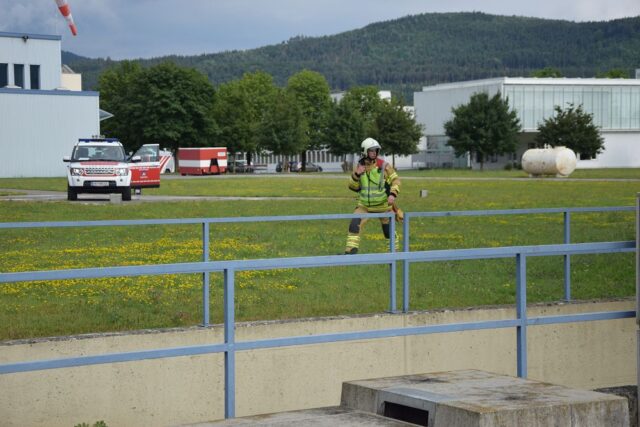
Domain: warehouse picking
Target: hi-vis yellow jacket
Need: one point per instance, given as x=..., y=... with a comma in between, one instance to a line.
x=375, y=184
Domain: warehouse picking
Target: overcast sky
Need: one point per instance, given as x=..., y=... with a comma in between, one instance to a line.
x=146, y=28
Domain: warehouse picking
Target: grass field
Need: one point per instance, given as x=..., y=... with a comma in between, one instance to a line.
x=79, y=306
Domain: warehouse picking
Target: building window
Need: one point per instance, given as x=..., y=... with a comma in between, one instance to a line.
x=34, y=74
x=18, y=75
x=4, y=75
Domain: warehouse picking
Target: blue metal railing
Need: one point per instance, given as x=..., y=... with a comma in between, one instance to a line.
x=567, y=234
x=229, y=268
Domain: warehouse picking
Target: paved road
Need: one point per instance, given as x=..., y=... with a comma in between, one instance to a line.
x=48, y=196
x=338, y=175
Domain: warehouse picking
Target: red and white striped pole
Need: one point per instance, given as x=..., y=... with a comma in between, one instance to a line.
x=65, y=10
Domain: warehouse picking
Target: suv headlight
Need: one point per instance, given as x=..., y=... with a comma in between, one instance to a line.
x=77, y=171
x=122, y=171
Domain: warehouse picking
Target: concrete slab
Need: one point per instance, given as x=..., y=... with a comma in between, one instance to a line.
x=321, y=417
x=630, y=392
x=483, y=399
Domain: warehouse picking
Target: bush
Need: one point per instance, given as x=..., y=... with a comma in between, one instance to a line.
x=96, y=424
x=513, y=165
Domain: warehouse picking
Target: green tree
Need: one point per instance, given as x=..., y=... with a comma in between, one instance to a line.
x=353, y=119
x=345, y=129
x=366, y=100
x=259, y=91
x=231, y=112
x=483, y=127
x=396, y=129
x=239, y=110
x=311, y=92
x=165, y=104
x=547, y=72
x=115, y=85
x=283, y=129
x=572, y=128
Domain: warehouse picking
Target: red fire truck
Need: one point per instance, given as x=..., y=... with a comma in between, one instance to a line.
x=202, y=160
x=153, y=162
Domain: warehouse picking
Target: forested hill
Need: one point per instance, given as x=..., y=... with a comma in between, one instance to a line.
x=408, y=53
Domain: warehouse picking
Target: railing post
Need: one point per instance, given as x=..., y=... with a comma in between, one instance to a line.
x=567, y=258
x=638, y=291
x=205, y=275
x=392, y=267
x=229, y=340
x=405, y=265
x=521, y=314
x=638, y=269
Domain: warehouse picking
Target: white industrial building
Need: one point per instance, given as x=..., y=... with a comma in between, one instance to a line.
x=614, y=104
x=40, y=118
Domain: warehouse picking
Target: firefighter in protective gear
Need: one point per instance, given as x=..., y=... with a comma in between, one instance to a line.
x=377, y=185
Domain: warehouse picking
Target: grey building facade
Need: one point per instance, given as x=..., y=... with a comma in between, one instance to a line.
x=40, y=121
x=614, y=104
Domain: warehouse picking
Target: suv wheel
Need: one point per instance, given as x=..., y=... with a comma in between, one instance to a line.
x=126, y=194
x=72, y=194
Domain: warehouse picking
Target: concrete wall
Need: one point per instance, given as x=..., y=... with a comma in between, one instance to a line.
x=38, y=128
x=190, y=389
x=71, y=81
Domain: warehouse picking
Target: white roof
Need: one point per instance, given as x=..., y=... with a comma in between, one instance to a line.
x=554, y=81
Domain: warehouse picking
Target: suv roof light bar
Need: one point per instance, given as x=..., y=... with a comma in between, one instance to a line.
x=99, y=140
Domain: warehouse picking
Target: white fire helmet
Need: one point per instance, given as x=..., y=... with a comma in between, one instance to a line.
x=369, y=144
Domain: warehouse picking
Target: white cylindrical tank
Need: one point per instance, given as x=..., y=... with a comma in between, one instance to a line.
x=549, y=161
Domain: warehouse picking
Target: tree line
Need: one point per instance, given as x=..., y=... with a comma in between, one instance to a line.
x=179, y=107
x=405, y=54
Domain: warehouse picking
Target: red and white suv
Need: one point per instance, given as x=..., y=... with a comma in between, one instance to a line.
x=98, y=165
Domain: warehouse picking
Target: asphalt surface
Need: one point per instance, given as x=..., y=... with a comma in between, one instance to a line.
x=56, y=196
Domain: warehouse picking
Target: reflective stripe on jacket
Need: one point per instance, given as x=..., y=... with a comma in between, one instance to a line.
x=372, y=191
x=378, y=174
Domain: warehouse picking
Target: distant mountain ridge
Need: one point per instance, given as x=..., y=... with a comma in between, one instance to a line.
x=407, y=53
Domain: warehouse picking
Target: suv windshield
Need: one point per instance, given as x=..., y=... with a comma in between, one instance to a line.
x=148, y=153
x=98, y=152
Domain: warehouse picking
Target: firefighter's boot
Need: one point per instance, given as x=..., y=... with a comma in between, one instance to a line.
x=387, y=232
x=396, y=243
x=353, y=243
